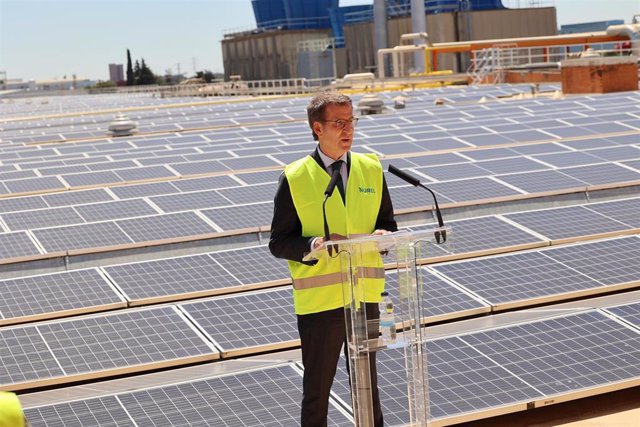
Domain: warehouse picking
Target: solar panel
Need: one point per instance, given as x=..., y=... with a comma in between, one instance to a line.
x=572, y=158
x=190, y=201
x=460, y=381
x=510, y=279
x=24, y=356
x=145, y=172
x=144, y=190
x=168, y=226
x=241, y=217
x=124, y=340
x=562, y=223
x=629, y=313
x=104, y=166
x=480, y=234
x=267, y=268
x=533, y=149
x=625, y=211
x=51, y=294
x=486, y=139
x=69, y=198
x=439, y=144
x=267, y=397
x=410, y=197
x=28, y=185
x=41, y=218
x=99, y=412
x=22, y=204
x=196, y=168
x=564, y=354
x=441, y=300
x=83, y=236
x=611, y=262
x=115, y=210
x=250, y=322
x=260, y=177
x=540, y=182
x=92, y=178
x=208, y=183
x=250, y=194
x=512, y=165
x=456, y=171
x=472, y=189
x=602, y=174
x=617, y=153
x=173, y=277
x=13, y=245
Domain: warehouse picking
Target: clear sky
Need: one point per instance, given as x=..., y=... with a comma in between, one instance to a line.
x=45, y=39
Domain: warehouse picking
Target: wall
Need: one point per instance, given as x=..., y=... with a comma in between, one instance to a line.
x=451, y=27
x=265, y=56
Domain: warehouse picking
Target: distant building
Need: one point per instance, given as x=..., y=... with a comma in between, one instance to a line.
x=116, y=73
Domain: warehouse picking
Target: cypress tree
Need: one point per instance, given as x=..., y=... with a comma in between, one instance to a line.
x=130, y=76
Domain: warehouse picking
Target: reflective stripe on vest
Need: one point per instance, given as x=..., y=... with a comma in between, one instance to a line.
x=318, y=288
x=336, y=278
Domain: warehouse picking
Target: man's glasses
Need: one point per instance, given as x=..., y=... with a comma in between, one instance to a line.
x=341, y=124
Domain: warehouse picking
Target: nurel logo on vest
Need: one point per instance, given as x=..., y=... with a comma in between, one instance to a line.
x=366, y=190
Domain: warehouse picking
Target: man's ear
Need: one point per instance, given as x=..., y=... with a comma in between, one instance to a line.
x=317, y=128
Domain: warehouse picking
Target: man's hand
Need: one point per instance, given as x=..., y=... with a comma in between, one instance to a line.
x=318, y=241
x=381, y=232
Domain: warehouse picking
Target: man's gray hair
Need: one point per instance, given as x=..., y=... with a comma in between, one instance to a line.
x=319, y=103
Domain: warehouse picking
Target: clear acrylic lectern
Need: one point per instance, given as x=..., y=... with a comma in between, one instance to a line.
x=401, y=249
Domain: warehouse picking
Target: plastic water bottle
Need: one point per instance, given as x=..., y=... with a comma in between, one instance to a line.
x=387, y=320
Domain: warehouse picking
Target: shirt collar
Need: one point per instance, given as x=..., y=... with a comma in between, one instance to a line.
x=328, y=161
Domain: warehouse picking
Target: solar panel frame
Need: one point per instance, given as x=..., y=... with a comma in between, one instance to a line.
x=514, y=280
x=565, y=224
x=48, y=296
x=171, y=279
x=242, y=217
x=165, y=227
x=106, y=411
x=100, y=345
x=248, y=323
x=16, y=245
x=81, y=237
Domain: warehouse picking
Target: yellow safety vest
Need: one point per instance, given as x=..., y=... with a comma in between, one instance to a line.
x=319, y=287
x=10, y=410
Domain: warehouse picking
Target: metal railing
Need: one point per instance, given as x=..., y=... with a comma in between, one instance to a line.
x=247, y=88
x=489, y=65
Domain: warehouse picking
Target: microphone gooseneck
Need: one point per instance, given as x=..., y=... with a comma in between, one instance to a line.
x=335, y=176
x=441, y=235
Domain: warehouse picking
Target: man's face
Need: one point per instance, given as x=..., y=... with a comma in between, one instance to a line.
x=334, y=142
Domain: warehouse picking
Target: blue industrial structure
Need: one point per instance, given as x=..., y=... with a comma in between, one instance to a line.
x=318, y=14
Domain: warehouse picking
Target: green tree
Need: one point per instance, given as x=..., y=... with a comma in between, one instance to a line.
x=146, y=76
x=130, y=76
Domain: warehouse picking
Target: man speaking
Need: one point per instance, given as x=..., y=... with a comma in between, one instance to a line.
x=361, y=205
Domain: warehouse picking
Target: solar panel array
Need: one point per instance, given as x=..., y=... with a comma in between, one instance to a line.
x=219, y=173
x=511, y=367
x=127, y=341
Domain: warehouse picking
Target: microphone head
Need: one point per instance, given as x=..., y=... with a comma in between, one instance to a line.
x=404, y=176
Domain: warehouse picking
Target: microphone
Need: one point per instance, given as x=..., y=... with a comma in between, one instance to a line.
x=441, y=235
x=335, y=176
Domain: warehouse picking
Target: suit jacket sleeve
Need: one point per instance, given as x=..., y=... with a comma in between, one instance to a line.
x=385, y=220
x=286, y=239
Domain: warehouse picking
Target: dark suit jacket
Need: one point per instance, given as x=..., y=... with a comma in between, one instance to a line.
x=287, y=240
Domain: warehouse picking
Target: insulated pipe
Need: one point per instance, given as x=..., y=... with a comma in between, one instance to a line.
x=630, y=30
x=380, y=31
x=418, y=25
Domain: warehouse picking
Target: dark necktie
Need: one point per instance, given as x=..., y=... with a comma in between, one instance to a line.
x=336, y=166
